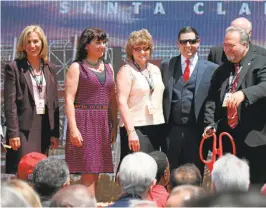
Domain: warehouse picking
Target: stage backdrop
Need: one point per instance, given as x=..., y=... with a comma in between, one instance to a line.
x=63, y=21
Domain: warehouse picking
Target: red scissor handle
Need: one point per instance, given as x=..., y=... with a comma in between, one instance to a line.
x=220, y=149
x=215, y=151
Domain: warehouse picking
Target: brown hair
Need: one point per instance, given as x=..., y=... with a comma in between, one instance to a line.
x=136, y=38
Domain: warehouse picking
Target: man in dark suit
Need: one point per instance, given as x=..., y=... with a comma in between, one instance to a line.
x=217, y=54
x=186, y=80
x=237, y=99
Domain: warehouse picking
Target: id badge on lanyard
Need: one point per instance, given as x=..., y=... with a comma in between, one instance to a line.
x=39, y=103
x=226, y=98
x=40, y=106
x=151, y=107
x=228, y=95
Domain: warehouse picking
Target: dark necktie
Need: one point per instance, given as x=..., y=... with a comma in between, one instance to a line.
x=232, y=112
x=187, y=71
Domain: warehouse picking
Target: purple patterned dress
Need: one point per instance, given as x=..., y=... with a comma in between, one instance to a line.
x=91, y=111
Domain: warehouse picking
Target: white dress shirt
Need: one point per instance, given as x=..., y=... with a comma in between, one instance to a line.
x=193, y=62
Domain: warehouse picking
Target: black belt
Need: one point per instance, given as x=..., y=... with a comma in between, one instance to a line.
x=91, y=106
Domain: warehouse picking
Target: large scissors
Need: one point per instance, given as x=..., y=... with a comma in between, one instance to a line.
x=215, y=151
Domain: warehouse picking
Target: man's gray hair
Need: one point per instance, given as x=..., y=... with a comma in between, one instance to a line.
x=137, y=172
x=49, y=175
x=141, y=203
x=73, y=196
x=244, y=37
x=11, y=198
x=230, y=173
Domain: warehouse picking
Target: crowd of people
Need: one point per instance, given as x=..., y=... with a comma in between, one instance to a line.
x=145, y=180
x=164, y=113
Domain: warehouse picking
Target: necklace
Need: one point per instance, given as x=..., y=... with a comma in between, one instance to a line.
x=37, y=72
x=93, y=64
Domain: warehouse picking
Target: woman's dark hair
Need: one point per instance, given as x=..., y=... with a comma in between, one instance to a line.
x=86, y=37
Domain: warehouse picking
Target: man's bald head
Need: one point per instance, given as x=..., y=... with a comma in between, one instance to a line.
x=243, y=23
x=182, y=194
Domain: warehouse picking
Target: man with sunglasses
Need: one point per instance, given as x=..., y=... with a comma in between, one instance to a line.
x=186, y=80
x=217, y=54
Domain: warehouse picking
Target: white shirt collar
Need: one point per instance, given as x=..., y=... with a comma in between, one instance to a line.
x=193, y=60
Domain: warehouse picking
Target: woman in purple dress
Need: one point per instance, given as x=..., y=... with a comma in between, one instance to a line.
x=91, y=110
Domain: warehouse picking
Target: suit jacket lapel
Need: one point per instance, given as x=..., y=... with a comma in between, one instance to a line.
x=47, y=76
x=244, y=70
x=178, y=70
x=224, y=88
x=28, y=81
x=26, y=73
x=172, y=65
x=200, y=72
x=171, y=74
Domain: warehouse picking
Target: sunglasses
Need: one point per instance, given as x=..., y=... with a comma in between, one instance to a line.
x=138, y=49
x=191, y=41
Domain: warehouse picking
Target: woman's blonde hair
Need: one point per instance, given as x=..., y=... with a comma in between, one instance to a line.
x=21, y=53
x=136, y=38
x=26, y=191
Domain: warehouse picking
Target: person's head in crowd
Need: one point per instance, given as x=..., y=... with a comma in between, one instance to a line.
x=35, y=34
x=12, y=198
x=89, y=39
x=139, y=45
x=49, y=176
x=135, y=203
x=263, y=189
x=163, y=172
x=243, y=23
x=230, y=173
x=181, y=194
x=236, y=44
x=26, y=191
x=251, y=198
x=27, y=164
x=137, y=174
x=187, y=174
x=188, y=42
x=5, y=177
x=73, y=196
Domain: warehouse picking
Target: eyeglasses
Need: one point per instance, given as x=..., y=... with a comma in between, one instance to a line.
x=139, y=49
x=191, y=41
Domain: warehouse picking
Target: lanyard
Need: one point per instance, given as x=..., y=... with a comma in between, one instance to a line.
x=149, y=80
x=232, y=79
x=38, y=83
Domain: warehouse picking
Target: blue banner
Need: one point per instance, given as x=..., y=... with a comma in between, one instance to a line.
x=64, y=19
